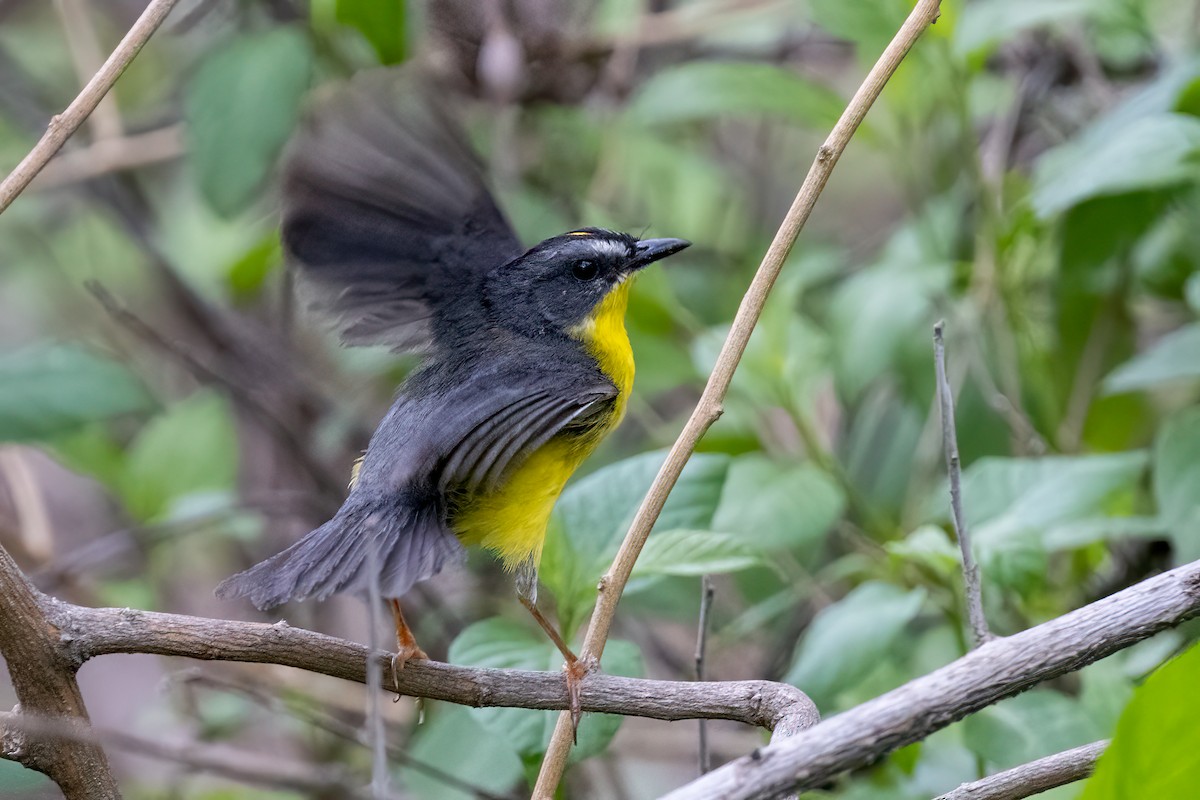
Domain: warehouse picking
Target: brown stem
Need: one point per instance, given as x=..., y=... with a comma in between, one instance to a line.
x=708, y=409
x=1032, y=778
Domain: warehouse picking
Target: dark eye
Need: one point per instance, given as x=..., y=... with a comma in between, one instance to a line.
x=584, y=270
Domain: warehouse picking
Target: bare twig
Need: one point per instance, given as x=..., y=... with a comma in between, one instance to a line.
x=238, y=765
x=708, y=409
x=63, y=125
x=44, y=681
x=971, y=581
x=1001, y=668
x=706, y=600
x=1032, y=778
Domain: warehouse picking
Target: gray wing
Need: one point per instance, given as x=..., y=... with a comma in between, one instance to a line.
x=468, y=436
x=386, y=215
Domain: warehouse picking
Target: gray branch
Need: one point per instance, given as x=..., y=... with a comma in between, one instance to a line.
x=1032, y=778
x=972, y=584
x=1000, y=668
x=86, y=633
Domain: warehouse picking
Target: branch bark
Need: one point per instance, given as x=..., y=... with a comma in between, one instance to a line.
x=708, y=409
x=1033, y=778
x=1000, y=668
x=63, y=125
x=44, y=680
x=90, y=632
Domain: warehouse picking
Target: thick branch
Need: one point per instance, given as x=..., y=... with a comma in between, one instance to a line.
x=45, y=686
x=91, y=632
x=972, y=585
x=63, y=125
x=1033, y=778
x=996, y=670
x=708, y=409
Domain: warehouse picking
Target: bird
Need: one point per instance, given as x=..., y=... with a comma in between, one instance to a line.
x=390, y=228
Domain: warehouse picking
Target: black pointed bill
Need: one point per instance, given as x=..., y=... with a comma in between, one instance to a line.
x=647, y=251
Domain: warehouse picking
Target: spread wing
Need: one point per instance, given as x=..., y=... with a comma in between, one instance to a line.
x=386, y=215
x=469, y=435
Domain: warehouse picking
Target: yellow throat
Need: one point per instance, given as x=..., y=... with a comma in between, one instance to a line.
x=512, y=520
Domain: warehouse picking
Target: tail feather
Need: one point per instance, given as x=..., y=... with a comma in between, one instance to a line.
x=409, y=545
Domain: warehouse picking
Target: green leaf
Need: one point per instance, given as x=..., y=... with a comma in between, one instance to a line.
x=704, y=89
x=779, y=505
x=1006, y=497
x=1156, y=749
x=240, y=107
x=985, y=24
x=505, y=644
x=382, y=22
x=1175, y=357
x=1147, y=153
x=247, y=274
x=684, y=552
x=493, y=764
x=849, y=639
x=50, y=391
x=1176, y=478
x=871, y=24
x=1029, y=726
x=594, y=513
x=190, y=448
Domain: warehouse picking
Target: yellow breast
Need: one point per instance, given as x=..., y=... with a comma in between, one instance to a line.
x=512, y=520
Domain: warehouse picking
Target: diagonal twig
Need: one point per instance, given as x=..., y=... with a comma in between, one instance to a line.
x=63, y=125
x=971, y=579
x=708, y=409
x=1032, y=778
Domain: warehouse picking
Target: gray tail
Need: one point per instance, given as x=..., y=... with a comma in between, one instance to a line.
x=400, y=544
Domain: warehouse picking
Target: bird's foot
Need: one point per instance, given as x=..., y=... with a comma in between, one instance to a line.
x=405, y=653
x=576, y=670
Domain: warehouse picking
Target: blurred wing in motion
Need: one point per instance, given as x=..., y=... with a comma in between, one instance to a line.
x=386, y=216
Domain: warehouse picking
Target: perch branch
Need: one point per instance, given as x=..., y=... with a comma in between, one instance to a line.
x=1032, y=778
x=998, y=669
x=708, y=409
x=971, y=581
x=86, y=633
x=63, y=125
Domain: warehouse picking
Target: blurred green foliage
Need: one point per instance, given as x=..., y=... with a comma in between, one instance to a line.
x=1032, y=175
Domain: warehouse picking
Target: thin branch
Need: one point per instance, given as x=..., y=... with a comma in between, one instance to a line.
x=708, y=409
x=270, y=772
x=86, y=633
x=706, y=600
x=1001, y=668
x=63, y=125
x=88, y=58
x=1033, y=778
x=971, y=581
x=44, y=682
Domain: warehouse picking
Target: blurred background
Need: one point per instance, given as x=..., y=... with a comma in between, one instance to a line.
x=172, y=414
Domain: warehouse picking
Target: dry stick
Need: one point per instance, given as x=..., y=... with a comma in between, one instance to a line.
x=63, y=125
x=971, y=581
x=998, y=669
x=706, y=600
x=708, y=409
x=1033, y=778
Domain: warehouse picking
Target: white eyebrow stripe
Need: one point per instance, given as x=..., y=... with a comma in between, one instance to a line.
x=607, y=247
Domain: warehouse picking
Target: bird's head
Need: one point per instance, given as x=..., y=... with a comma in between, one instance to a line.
x=559, y=284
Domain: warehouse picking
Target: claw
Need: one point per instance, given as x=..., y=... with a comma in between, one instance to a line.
x=576, y=671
